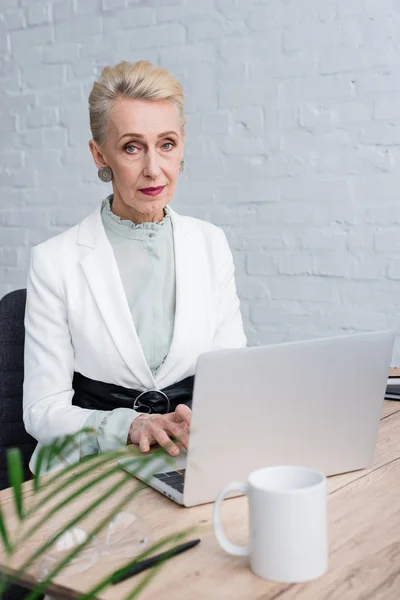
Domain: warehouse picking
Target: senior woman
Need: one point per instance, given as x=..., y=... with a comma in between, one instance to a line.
x=120, y=307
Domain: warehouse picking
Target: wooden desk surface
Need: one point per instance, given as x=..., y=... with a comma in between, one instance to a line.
x=364, y=541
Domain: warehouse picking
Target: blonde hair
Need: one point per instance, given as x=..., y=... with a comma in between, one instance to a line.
x=142, y=81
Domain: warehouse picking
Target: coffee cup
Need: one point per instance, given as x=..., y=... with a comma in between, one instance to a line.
x=287, y=523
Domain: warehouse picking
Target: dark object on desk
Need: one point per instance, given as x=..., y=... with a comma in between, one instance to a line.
x=392, y=391
x=141, y=566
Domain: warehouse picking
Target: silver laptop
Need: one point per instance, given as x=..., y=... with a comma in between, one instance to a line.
x=315, y=403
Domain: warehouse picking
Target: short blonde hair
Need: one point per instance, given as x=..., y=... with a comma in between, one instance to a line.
x=142, y=81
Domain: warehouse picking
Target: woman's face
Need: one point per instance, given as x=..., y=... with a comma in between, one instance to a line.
x=144, y=146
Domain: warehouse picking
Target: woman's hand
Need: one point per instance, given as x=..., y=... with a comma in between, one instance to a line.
x=146, y=430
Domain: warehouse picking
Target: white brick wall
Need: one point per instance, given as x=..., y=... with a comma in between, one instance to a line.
x=293, y=142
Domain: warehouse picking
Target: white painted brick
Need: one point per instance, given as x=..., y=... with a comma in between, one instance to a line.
x=380, y=134
x=388, y=240
x=5, y=4
x=7, y=122
x=25, y=217
x=215, y=123
x=31, y=139
x=338, y=264
x=351, y=319
x=133, y=18
x=243, y=145
x=160, y=35
x=38, y=14
x=46, y=76
x=205, y=29
x=373, y=84
x=387, y=214
x=295, y=264
x=249, y=95
x=329, y=87
x=14, y=237
x=66, y=96
x=250, y=117
x=18, y=102
x=8, y=258
x=55, y=139
x=234, y=9
x=60, y=53
x=370, y=267
x=303, y=288
x=394, y=269
x=260, y=264
x=41, y=117
x=111, y=4
x=33, y=36
x=354, y=111
x=187, y=54
x=321, y=240
x=387, y=107
x=41, y=234
x=182, y=11
x=24, y=178
x=11, y=160
x=34, y=158
x=347, y=9
x=314, y=115
x=77, y=28
x=340, y=60
x=322, y=35
x=84, y=7
x=14, y=19
x=62, y=9
x=16, y=277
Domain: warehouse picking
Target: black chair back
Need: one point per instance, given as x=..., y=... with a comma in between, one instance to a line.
x=12, y=335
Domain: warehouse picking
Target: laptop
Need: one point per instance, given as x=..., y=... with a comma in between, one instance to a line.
x=315, y=403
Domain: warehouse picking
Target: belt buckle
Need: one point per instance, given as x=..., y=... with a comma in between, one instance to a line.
x=139, y=405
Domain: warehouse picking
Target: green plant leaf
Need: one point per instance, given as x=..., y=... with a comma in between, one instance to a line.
x=41, y=587
x=82, y=469
x=3, y=533
x=16, y=477
x=154, y=548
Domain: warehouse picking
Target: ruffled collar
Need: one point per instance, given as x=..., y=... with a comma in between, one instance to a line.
x=127, y=228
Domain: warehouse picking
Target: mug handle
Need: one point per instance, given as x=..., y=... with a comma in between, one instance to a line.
x=227, y=545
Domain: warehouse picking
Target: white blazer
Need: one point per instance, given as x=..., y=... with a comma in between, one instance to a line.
x=78, y=319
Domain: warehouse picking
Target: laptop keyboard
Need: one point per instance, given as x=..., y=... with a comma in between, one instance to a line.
x=175, y=479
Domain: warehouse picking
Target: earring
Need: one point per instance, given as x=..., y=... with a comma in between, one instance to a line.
x=105, y=174
x=182, y=166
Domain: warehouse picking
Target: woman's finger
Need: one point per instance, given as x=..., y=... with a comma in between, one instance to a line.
x=163, y=439
x=144, y=443
x=183, y=413
x=178, y=431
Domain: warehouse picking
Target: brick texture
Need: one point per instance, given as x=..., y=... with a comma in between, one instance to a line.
x=293, y=142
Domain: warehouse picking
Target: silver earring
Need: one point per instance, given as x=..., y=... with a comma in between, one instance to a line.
x=105, y=174
x=182, y=166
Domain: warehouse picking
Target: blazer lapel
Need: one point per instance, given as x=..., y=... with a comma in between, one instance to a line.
x=101, y=271
x=183, y=293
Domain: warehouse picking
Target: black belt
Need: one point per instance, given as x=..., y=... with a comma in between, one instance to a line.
x=98, y=395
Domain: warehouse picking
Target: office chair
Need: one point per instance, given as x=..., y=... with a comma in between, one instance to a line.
x=12, y=430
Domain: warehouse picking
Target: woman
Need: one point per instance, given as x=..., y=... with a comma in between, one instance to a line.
x=126, y=301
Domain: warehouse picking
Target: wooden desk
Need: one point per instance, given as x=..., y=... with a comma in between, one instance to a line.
x=364, y=539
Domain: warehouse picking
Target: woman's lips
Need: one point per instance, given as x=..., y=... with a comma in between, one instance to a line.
x=152, y=191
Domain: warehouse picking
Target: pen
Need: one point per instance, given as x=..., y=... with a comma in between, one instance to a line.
x=142, y=565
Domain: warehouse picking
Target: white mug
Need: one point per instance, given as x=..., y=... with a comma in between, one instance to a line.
x=288, y=523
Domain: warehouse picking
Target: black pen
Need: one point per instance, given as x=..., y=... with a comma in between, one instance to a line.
x=122, y=574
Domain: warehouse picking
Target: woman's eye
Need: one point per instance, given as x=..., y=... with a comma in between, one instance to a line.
x=130, y=146
x=168, y=144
